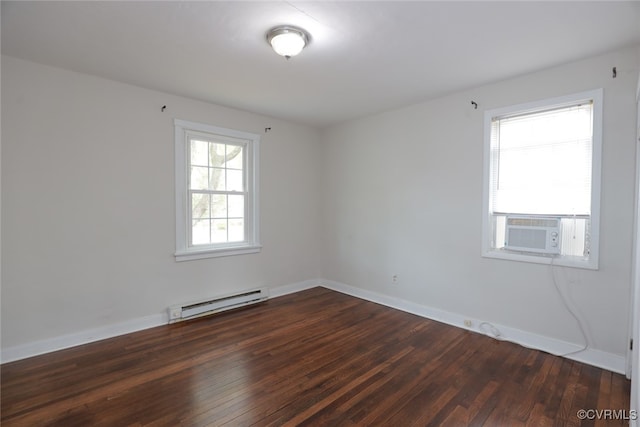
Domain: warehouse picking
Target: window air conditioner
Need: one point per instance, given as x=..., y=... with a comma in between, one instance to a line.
x=533, y=234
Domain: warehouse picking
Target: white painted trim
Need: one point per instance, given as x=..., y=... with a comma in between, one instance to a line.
x=601, y=359
x=633, y=363
x=592, y=263
x=562, y=261
x=36, y=348
x=251, y=144
x=293, y=288
x=593, y=357
x=214, y=253
x=49, y=345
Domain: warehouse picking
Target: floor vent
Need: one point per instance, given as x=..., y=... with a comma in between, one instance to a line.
x=178, y=313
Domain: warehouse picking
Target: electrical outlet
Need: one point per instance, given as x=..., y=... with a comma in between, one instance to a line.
x=468, y=323
x=395, y=278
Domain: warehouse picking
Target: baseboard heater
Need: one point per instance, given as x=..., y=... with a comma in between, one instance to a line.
x=178, y=313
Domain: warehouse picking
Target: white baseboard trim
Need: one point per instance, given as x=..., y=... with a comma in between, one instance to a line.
x=292, y=288
x=49, y=345
x=598, y=358
x=593, y=357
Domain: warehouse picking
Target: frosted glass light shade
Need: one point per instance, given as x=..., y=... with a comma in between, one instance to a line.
x=287, y=41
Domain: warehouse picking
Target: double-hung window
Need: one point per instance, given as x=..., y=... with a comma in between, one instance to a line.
x=216, y=191
x=542, y=181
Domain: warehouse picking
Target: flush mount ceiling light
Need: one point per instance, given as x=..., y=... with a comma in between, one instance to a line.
x=287, y=41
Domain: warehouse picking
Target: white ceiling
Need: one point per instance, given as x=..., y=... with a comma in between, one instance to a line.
x=364, y=57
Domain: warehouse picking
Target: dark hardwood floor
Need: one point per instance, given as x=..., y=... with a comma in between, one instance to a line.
x=316, y=357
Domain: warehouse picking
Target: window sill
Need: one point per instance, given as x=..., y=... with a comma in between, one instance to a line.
x=564, y=261
x=215, y=253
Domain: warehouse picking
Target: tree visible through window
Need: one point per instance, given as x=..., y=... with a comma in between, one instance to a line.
x=217, y=192
x=217, y=189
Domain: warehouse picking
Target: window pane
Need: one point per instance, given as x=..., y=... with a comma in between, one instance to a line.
x=200, y=206
x=199, y=178
x=217, y=154
x=236, y=230
x=236, y=206
x=542, y=162
x=218, y=231
x=219, y=206
x=235, y=180
x=235, y=157
x=217, y=179
x=200, y=232
x=546, y=180
x=215, y=196
x=199, y=152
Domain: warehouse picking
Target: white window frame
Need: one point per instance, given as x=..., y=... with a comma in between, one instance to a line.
x=186, y=252
x=591, y=262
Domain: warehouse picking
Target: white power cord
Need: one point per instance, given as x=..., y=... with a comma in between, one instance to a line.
x=490, y=330
x=570, y=310
x=493, y=331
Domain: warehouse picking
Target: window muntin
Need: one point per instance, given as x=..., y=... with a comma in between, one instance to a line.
x=543, y=159
x=216, y=191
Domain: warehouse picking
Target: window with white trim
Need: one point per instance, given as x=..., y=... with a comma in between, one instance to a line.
x=216, y=191
x=542, y=181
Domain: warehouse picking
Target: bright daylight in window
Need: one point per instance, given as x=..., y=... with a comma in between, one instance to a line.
x=542, y=181
x=216, y=191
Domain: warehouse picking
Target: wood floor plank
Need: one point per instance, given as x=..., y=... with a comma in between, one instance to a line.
x=315, y=357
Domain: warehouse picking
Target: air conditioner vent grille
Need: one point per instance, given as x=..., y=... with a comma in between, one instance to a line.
x=533, y=234
x=533, y=222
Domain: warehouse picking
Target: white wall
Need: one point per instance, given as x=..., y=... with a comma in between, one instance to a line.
x=88, y=216
x=402, y=195
x=88, y=209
